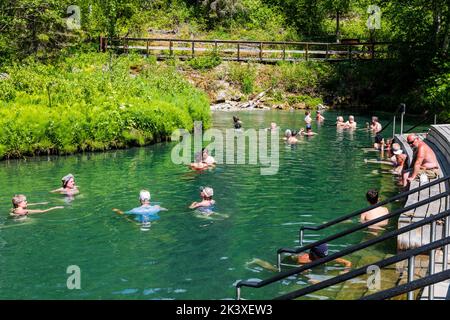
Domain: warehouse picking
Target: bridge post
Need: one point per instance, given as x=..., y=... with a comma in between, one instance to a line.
x=193, y=49
x=171, y=48
x=284, y=51
x=260, y=51
x=306, y=51
x=238, y=51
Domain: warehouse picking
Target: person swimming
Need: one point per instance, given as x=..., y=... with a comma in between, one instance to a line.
x=319, y=116
x=206, y=206
x=237, y=123
x=292, y=138
x=68, y=186
x=20, y=207
x=199, y=163
x=351, y=124
x=340, y=122
x=146, y=213
x=206, y=158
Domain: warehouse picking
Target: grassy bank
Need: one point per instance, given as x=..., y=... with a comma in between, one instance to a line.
x=85, y=103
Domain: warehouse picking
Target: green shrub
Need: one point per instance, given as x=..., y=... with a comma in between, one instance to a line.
x=244, y=75
x=204, y=62
x=83, y=103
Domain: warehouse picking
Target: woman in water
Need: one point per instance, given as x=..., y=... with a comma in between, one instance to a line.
x=207, y=204
x=20, y=207
x=68, y=186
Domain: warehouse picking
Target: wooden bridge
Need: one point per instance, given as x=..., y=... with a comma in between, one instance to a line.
x=256, y=51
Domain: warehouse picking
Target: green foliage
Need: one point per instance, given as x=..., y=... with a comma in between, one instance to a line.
x=93, y=106
x=243, y=75
x=205, y=62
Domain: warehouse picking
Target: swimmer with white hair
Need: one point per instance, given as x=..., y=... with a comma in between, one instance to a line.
x=351, y=124
x=340, y=122
x=146, y=212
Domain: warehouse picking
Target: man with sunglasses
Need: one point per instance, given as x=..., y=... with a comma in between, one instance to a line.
x=424, y=161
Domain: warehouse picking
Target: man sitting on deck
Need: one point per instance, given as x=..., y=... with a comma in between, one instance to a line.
x=372, y=198
x=425, y=161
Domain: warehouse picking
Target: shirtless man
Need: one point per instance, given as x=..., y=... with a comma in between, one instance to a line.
x=375, y=126
x=351, y=124
x=319, y=116
x=424, y=161
x=372, y=198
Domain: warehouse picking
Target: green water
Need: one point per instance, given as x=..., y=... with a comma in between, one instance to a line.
x=182, y=256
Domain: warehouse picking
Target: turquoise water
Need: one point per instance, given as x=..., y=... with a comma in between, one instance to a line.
x=182, y=256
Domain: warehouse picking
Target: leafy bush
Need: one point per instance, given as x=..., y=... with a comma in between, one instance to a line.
x=205, y=62
x=244, y=75
x=82, y=103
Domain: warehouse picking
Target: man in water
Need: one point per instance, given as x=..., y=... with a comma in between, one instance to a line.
x=318, y=252
x=319, y=116
x=425, y=161
x=351, y=124
x=372, y=198
x=237, y=123
x=375, y=125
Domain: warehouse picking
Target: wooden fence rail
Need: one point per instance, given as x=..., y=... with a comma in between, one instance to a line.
x=258, y=51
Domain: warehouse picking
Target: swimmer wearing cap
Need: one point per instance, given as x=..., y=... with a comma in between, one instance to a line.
x=144, y=199
x=318, y=252
x=308, y=131
x=206, y=193
x=68, y=186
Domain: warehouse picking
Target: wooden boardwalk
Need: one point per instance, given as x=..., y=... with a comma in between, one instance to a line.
x=257, y=51
x=438, y=138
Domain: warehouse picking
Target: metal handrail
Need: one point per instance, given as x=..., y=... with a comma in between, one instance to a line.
x=389, y=123
x=363, y=270
x=379, y=204
x=344, y=252
x=425, y=120
x=411, y=286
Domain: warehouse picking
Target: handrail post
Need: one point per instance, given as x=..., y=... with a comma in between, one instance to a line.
x=435, y=118
x=238, y=293
x=193, y=49
x=284, y=51
x=171, y=48
x=411, y=266
x=350, y=52
x=393, y=127
x=373, y=51
x=301, y=237
x=401, y=118
x=147, y=48
x=446, y=234
x=326, y=54
x=279, y=262
x=432, y=259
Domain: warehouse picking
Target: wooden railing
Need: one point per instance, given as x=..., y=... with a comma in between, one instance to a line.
x=258, y=51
